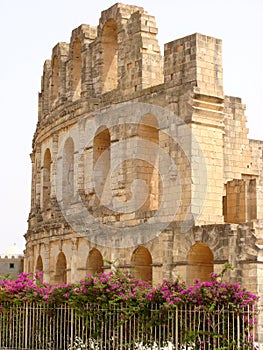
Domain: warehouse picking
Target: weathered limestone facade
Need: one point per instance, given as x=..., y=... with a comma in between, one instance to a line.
x=213, y=175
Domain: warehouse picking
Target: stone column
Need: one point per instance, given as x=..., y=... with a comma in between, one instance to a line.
x=74, y=262
x=46, y=272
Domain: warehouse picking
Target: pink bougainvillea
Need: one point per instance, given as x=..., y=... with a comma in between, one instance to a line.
x=122, y=287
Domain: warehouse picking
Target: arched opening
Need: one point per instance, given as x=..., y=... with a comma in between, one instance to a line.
x=77, y=67
x=101, y=165
x=200, y=263
x=142, y=263
x=61, y=269
x=94, y=262
x=55, y=78
x=68, y=172
x=39, y=265
x=46, y=179
x=109, y=56
x=148, y=171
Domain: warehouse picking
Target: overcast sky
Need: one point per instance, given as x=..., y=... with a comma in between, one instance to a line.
x=31, y=28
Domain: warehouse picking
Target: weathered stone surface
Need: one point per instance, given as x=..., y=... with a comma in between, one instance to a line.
x=138, y=142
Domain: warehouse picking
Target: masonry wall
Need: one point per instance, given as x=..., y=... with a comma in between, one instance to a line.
x=11, y=266
x=185, y=141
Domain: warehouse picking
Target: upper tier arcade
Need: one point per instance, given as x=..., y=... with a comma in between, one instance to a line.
x=122, y=54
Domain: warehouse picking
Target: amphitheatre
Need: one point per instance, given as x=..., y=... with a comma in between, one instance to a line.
x=139, y=160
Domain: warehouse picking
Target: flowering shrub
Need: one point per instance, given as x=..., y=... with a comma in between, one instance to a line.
x=116, y=287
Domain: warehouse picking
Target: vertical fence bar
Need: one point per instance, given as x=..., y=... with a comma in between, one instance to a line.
x=105, y=329
x=180, y=326
x=8, y=333
x=31, y=327
x=176, y=328
x=66, y=314
x=234, y=326
x=12, y=327
x=26, y=325
x=22, y=323
x=238, y=331
x=228, y=330
x=253, y=315
x=72, y=333
x=221, y=324
x=45, y=331
x=56, y=326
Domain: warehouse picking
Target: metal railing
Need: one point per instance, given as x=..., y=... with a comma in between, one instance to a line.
x=117, y=327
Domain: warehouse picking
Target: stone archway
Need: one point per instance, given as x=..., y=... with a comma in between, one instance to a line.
x=200, y=263
x=46, y=179
x=149, y=171
x=142, y=264
x=109, y=56
x=94, y=262
x=76, y=70
x=61, y=269
x=39, y=264
x=68, y=171
x=102, y=164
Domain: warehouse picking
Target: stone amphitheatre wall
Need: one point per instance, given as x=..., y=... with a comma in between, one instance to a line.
x=136, y=140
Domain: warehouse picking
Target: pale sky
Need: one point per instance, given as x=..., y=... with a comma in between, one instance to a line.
x=31, y=28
